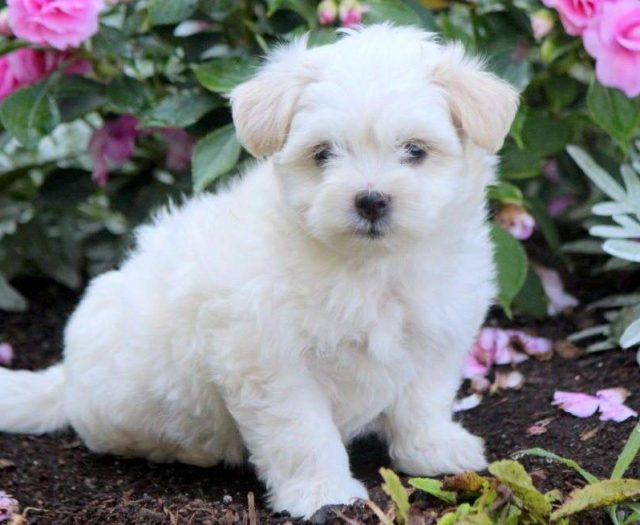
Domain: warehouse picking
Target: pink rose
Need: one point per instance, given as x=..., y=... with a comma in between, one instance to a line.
x=58, y=23
x=614, y=41
x=8, y=82
x=327, y=12
x=115, y=142
x=26, y=66
x=576, y=14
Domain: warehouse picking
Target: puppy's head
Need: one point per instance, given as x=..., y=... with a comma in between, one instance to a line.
x=372, y=136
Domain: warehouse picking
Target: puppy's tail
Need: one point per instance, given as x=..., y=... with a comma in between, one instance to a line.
x=32, y=402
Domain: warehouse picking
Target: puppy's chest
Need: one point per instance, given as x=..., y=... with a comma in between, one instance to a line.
x=364, y=363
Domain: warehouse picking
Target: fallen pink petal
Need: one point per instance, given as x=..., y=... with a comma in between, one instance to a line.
x=612, y=411
x=576, y=403
x=480, y=384
x=613, y=395
x=6, y=354
x=8, y=506
x=467, y=403
x=508, y=381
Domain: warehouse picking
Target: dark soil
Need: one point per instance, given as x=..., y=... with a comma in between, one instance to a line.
x=58, y=481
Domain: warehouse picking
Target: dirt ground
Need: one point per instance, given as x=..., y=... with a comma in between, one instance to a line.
x=60, y=482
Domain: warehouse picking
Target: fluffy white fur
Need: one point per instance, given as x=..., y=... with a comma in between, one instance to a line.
x=262, y=319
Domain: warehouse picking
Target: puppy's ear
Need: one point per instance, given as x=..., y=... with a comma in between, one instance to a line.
x=482, y=105
x=263, y=106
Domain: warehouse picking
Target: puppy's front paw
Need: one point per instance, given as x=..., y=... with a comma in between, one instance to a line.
x=304, y=497
x=446, y=449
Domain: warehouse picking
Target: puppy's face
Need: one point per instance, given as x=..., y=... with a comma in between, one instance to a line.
x=370, y=165
x=369, y=135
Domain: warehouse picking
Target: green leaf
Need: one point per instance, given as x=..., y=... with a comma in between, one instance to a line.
x=511, y=263
x=10, y=299
x=179, y=110
x=628, y=454
x=30, y=114
x=519, y=163
x=542, y=453
x=395, y=11
x=127, y=95
x=505, y=192
x=111, y=41
x=614, y=112
x=532, y=300
x=434, y=488
x=223, y=74
x=396, y=491
x=627, y=250
x=598, y=176
x=513, y=475
x=215, y=155
x=546, y=225
x=544, y=135
x=598, y=495
x=163, y=12
x=631, y=336
x=11, y=45
x=76, y=96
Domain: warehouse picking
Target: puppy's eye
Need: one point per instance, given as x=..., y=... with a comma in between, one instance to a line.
x=321, y=154
x=414, y=152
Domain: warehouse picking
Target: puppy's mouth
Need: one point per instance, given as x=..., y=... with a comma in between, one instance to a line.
x=372, y=229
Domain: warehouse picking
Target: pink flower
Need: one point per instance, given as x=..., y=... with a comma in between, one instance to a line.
x=558, y=205
x=576, y=15
x=609, y=401
x=6, y=354
x=516, y=220
x=351, y=12
x=179, y=147
x=327, y=12
x=495, y=346
x=550, y=170
x=559, y=299
x=541, y=23
x=614, y=41
x=115, y=142
x=8, y=82
x=5, y=30
x=57, y=23
x=26, y=66
x=8, y=506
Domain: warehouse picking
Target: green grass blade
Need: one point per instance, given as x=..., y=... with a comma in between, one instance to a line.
x=542, y=453
x=628, y=454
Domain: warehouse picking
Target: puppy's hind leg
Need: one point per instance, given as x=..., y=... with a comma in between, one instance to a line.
x=285, y=421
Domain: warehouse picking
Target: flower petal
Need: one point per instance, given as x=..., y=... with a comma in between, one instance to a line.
x=610, y=411
x=613, y=395
x=576, y=403
x=467, y=403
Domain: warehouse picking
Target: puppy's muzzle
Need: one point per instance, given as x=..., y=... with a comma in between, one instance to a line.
x=372, y=205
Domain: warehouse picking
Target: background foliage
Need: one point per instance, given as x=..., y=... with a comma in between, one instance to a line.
x=169, y=63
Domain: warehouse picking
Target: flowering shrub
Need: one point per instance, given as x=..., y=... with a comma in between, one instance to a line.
x=109, y=109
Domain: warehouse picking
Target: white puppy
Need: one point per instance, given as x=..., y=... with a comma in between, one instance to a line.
x=333, y=290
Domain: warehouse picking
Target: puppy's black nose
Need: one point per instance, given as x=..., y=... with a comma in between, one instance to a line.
x=371, y=205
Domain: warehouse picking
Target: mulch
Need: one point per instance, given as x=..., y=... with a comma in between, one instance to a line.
x=58, y=481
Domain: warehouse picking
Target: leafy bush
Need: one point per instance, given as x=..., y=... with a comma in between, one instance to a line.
x=98, y=126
